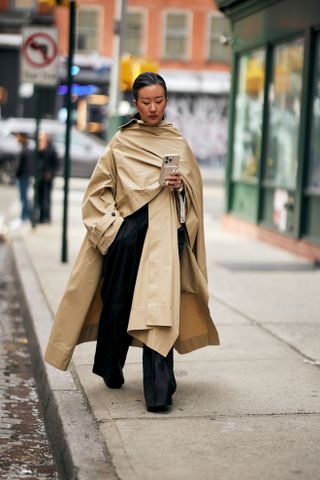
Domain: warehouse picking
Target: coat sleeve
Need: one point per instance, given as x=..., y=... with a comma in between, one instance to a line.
x=99, y=213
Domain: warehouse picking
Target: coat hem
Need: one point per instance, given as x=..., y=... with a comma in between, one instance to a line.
x=57, y=358
x=151, y=316
x=187, y=346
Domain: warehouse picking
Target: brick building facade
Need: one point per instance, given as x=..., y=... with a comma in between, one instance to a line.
x=189, y=41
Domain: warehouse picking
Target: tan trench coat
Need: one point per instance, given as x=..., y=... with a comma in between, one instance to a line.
x=170, y=302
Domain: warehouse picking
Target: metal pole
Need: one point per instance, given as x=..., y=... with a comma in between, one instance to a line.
x=117, y=50
x=72, y=28
x=35, y=211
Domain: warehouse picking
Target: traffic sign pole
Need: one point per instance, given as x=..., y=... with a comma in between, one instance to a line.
x=72, y=17
x=39, y=66
x=35, y=212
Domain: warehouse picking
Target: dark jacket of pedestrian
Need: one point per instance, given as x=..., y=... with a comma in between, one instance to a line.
x=24, y=173
x=48, y=164
x=48, y=160
x=25, y=160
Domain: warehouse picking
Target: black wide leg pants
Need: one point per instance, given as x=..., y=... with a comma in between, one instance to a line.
x=120, y=268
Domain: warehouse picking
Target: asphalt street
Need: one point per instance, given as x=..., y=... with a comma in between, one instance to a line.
x=24, y=447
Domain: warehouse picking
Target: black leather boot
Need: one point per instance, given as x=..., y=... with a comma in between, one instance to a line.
x=159, y=383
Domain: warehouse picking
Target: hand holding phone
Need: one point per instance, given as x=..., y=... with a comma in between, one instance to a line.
x=170, y=166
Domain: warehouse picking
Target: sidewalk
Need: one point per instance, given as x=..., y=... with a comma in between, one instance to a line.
x=248, y=409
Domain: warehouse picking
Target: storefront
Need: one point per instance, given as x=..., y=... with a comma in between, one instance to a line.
x=273, y=170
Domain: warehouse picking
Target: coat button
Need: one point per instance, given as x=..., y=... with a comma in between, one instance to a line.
x=113, y=214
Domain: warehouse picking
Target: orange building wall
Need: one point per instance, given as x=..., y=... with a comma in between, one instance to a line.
x=62, y=20
x=154, y=30
x=4, y=5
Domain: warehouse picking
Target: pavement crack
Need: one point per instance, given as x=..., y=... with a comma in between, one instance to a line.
x=168, y=417
x=256, y=323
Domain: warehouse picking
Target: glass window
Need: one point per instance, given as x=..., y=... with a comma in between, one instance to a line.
x=314, y=160
x=284, y=115
x=219, y=39
x=176, y=36
x=23, y=4
x=88, y=30
x=134, y=33
x=248, y=115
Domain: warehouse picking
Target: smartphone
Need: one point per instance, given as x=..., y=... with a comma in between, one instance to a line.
x=170, y=166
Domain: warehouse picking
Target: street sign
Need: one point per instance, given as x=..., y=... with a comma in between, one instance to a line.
x=39, y=56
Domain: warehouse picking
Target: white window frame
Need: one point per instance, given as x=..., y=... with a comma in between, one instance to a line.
x=100, y=14
x=189, y=15
x=209, y=38
x=143, y=11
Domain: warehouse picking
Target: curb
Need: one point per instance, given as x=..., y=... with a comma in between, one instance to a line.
x=78, y=450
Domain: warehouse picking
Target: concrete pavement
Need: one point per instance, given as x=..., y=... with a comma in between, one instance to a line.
x=247, y=409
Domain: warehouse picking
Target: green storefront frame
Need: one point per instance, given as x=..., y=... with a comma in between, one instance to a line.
x=281, y=29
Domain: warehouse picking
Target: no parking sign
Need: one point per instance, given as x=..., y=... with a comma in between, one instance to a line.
x=39, y=56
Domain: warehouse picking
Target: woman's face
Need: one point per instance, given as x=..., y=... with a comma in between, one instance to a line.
x=151, y=104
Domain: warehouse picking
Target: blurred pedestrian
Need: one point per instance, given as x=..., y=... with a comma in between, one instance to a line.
x=24, y=174
x=140, y=277
x=48, y=164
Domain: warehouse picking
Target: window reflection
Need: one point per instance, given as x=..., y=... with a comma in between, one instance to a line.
x=248, y=112
x=284, y=116
x=133, y=39
x=219, y=28
x=88, y=29
x=314, y=161
x=176, y=35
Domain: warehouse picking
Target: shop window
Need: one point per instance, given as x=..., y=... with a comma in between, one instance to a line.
x=88, y=22
x=219, y=39
x=176, y=35
x=134, y=25
x=248, y=115
x=314, y=159
x=284, y=115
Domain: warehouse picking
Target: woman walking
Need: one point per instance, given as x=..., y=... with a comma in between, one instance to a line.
x=140, y=277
